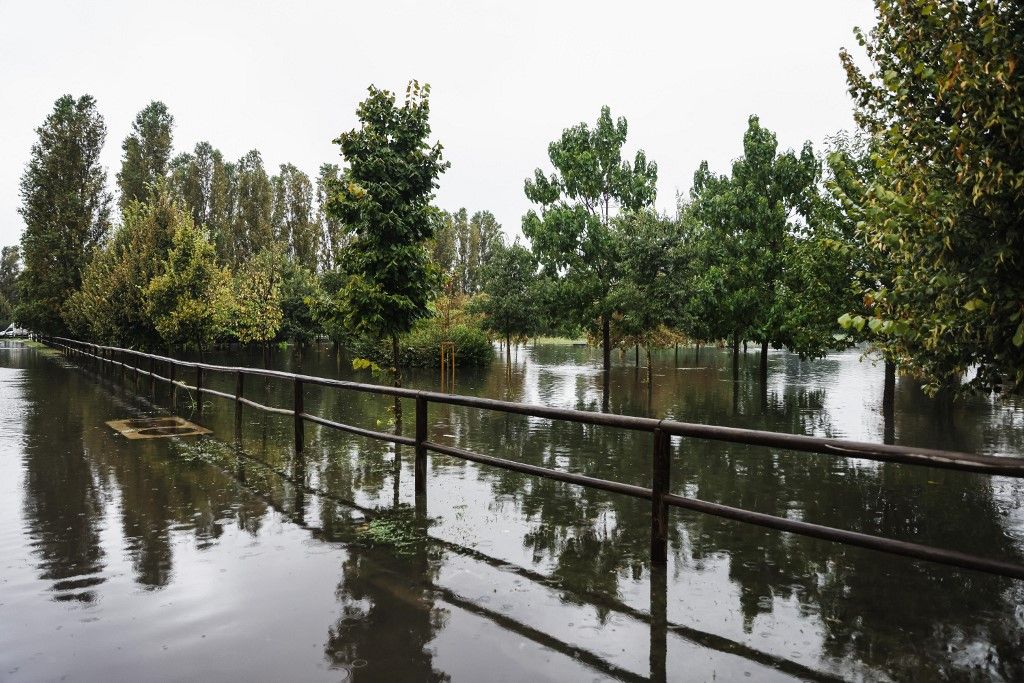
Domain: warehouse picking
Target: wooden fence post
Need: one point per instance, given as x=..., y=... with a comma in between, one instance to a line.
x=298, y=408
x=199, y=389
x=420, y=467
x=659, y=487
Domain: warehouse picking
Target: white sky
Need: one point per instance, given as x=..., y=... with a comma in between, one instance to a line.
x=506, y=78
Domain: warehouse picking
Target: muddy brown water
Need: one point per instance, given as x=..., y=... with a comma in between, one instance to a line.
x=225, y=557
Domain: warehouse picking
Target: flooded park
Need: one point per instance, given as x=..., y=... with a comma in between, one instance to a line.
x=124, y=557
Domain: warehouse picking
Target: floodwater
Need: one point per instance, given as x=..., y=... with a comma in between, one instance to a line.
x=226, y=557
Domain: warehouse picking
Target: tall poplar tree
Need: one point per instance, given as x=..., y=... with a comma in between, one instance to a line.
x=147, y=153
x=66, y=209
x=572, y=233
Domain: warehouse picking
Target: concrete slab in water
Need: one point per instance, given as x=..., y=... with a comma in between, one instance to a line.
x=156, y=427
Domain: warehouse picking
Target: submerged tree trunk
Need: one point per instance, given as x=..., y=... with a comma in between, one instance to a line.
x=764, y=362
x=636, y=354
x=696, y=354
x=889, y=389
x=650, y=370
x=508, y=350
x=396, y=360
x=606, y=343
x=736, y=356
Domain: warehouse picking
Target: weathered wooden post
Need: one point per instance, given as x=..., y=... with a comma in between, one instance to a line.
x=420, y=467
x=298, y=409
x=199, y=389
x=659, y=623
x=172, y=371
x=659, y=487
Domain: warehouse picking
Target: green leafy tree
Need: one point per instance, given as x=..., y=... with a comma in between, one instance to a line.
x=190, y=300
x=485, y=238
x=110, y=306
x=572, y=233
x=147, y=151
x=256, y=311
x=251, y=225
x=383, y=198
x=10, y=270
x=191, y=181
x=510, y=304
x=944, y=98
x=333, y=236
x=754, y=212
x=66, y=210
x=301, y=297
x=647, y=292
x=294, y=216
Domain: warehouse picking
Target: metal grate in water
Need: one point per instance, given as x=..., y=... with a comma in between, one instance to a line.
x=156, y=427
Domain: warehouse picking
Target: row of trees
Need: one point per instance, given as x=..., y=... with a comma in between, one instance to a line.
x=906, y=233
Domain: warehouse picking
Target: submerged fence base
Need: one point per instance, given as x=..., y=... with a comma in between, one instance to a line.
x=662, y=431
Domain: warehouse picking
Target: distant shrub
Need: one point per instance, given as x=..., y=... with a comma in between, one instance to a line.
x=421, y=347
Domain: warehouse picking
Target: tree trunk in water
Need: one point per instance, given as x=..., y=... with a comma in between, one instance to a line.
x=266, y=356
x=636, y=355
x=606, y=343
x=889, y=390
x=744, y=347
x=650, y=370
x=764, y=362
x=508, y=350
x=736, y=356
x=696, y=354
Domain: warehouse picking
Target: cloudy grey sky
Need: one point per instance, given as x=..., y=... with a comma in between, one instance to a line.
x=506, y=78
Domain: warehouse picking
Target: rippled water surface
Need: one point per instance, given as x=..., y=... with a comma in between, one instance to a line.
x=226, y=557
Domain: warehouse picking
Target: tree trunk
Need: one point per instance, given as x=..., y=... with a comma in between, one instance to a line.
x=889, y=389
x=650, y=370
x=508, y=350
x=636, y=354
x=764, y=362
x=696, y=354
x=736, y=356
x=396, y=360
x=606, y=343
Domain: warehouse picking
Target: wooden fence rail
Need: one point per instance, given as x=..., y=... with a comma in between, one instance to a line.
x=662, y=431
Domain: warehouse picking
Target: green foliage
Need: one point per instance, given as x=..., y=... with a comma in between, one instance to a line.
x=462, y=246
x=383, y=199
x=333, y=236
x=301, y=296
x=572, y=235
x=10, y=270
x=510, y=303
x=250, y=229
x=110, y=306
x=943, y=100
x=147, y=150
x=752, y=213
x=189, y=301
x=256, y=313
x=294, y=216
x=66, y=209
x=421, y=346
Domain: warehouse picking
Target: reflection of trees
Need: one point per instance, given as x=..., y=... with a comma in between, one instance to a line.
x=63, y=503
x=387, y=619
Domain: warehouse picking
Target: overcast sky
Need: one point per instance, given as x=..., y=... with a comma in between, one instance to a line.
x=506, y=78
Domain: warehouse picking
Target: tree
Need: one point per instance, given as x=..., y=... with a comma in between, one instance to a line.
x=147, y=150
x=510, y=303
x=251, y=226
x=753, y=212
x=110, y=306
x=571, y=235
x=944, y=98
x=485, y=237
x=383, y=199
x=294, y=216
x=301, y=296
x=333, y=236
x=66, y=209
x=191, y=181
x=256, y=311
x=189, y=301
x=10, y=269
x=646, y=294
